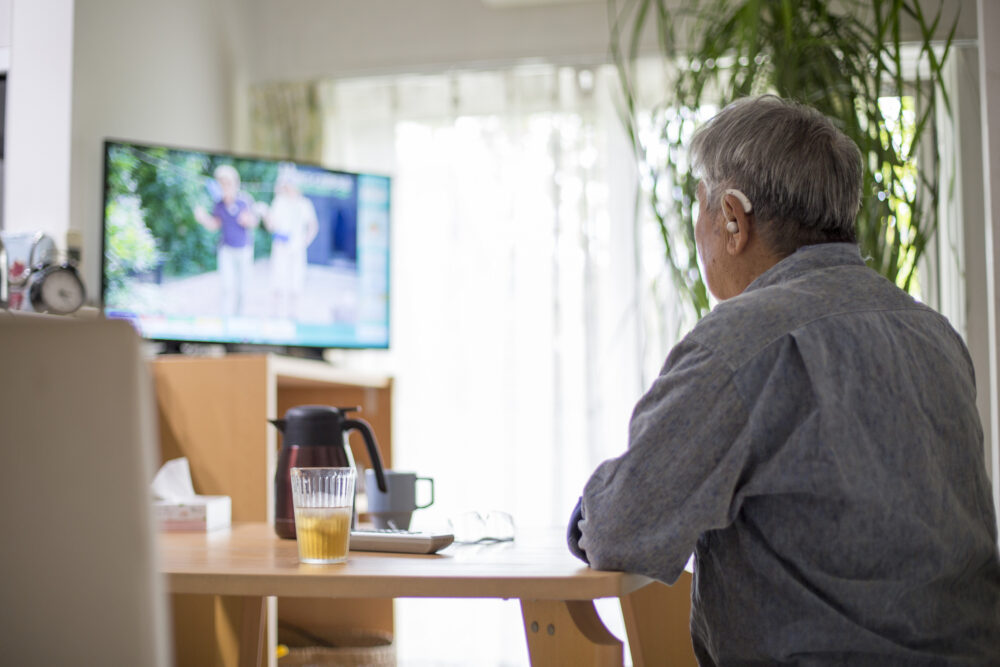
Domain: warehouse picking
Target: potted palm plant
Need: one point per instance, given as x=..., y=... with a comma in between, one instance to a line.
x=848, y=59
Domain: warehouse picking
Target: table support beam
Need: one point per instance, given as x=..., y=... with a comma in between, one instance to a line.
x=568, y=633
x=657, y=621
x=253, y=632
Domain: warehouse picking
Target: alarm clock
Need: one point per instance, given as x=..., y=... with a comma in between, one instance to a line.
x=56, y=289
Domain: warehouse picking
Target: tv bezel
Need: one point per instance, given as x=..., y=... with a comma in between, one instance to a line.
x=296, y=349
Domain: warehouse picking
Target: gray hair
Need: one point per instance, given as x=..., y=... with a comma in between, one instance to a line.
x=802, y=174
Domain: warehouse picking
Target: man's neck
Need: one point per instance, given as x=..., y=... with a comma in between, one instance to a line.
x=753, y=262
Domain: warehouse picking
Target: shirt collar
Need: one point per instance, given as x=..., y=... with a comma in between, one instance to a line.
x=808, y=258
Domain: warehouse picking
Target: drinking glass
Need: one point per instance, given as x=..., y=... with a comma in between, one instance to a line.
x=323, y=499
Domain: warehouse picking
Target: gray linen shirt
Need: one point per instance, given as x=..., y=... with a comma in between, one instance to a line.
x=815, y=442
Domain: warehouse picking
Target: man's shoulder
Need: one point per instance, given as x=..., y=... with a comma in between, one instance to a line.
x=836, y=296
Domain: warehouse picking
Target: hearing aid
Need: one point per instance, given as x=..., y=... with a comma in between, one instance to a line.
x=747, y=206
x=731, y=225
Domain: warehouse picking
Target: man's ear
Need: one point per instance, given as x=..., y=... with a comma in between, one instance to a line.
x=737, y=224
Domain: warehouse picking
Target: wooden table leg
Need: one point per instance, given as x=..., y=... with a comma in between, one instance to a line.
x=253, y=631
x=657, y=620
x=568, y=633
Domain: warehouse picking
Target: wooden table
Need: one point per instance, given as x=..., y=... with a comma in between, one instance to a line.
x=556, y=591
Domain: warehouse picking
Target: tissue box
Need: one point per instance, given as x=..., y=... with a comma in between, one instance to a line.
x=200, y=513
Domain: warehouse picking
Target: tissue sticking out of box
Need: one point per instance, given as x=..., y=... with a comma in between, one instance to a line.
x=178, y=508
x=173, y=481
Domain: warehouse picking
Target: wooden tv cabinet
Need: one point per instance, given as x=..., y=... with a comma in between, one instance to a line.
x=214, y=411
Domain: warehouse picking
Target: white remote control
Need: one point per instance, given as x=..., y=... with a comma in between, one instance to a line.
x=399, y=541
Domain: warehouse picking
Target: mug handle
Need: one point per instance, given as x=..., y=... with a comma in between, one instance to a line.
x=431, y=480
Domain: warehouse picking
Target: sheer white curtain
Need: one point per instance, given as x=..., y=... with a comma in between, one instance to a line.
x=516, y=327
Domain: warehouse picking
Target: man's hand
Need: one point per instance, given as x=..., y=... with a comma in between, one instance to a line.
x=573, y=533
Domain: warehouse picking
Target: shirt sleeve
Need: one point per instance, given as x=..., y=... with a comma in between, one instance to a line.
x=644, y=511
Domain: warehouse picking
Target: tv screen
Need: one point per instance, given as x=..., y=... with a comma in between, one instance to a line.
x=220, y=248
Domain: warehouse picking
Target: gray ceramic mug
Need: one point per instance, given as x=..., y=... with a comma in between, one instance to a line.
x=393, y=509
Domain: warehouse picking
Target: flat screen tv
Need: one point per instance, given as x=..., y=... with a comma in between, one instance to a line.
x=211, y=247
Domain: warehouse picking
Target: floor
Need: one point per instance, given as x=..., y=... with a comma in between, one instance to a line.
x=480, y=633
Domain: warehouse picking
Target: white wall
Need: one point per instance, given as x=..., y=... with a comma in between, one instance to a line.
x=5, y=20
x=37, y=136
x=321, y=38
x=989, y=77
x=961, y=139
x=143, y=70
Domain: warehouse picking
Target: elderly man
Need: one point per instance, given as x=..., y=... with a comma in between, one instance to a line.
x=814, y=440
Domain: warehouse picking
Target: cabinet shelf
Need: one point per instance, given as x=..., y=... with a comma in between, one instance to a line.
x=214, y=411
x=292, y=372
